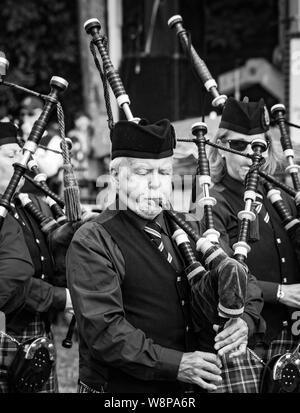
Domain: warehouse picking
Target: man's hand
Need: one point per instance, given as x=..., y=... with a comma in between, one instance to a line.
x=233, y=338
x=291, y=296
x=201, y=368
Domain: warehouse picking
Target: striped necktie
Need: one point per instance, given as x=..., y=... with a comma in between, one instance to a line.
x=153, y=230
x=260, y=208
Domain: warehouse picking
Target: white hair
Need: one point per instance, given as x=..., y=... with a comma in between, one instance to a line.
x=116, y=163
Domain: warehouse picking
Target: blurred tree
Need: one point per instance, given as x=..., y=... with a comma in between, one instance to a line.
x=240, y=30
x=40, y=40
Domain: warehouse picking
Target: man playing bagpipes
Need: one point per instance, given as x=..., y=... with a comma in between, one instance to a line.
x=130, y=296
x=16, y=269
x=272, y=258
x=42, y=299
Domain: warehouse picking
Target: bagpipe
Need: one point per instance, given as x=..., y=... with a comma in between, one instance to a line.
x=58, y=228
x=58, y=85
x=282, y=372
x=219, y=285
x=67, y=215
x=278, y=113
x=228, y=295
x=28, y=165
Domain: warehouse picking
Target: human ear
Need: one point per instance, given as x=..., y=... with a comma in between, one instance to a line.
x=115, y=177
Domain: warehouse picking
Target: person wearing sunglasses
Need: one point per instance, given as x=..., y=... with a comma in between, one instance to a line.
x=271, y=259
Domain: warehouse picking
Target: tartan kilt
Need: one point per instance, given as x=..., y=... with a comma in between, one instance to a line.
x=243, y=374
x=8, y=349
x=84, y=388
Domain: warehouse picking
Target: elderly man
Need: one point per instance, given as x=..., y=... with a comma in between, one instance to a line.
x=129, y=294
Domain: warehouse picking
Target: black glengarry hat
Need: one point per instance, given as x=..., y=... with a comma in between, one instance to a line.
x=143, y=140
x=249, y=118
x=8, y=133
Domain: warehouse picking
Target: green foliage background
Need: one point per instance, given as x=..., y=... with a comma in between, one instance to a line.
x=40, y=40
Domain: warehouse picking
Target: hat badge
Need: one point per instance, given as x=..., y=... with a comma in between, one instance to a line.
x=265, y=118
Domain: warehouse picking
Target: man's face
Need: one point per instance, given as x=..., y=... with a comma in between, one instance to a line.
x=9, y=154
x=238, y=166
x=144, y=183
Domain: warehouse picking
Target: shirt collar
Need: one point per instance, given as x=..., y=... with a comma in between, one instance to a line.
x=140, y=222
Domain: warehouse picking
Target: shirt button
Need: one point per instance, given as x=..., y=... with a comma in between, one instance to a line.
x=278, y=240
x=187, y=328
x=42, y=258
x=178, y=279
x=23, y=223
x=285, y=323
x=42, y=276
x=37, y=241
x=284, y=280
x=282, y=259
x=182, y=302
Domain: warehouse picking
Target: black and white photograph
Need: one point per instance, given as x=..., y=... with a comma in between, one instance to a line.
x=150, y=200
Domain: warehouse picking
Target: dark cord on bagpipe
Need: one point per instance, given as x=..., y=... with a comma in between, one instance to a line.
x=71, y=188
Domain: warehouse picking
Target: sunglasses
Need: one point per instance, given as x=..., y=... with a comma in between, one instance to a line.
x=239, y=145
x=27, y=113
